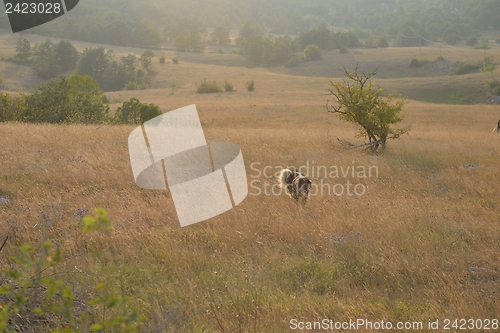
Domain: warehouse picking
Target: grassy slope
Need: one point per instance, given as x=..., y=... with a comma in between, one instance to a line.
x=423, y=222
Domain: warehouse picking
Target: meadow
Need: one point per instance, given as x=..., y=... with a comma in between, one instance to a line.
x=421, y=243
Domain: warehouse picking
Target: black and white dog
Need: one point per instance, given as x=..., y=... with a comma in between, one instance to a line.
x=296, y=184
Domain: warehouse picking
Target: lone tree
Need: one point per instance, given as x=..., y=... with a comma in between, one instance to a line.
x=360, y=104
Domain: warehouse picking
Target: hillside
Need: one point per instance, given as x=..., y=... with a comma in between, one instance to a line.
x=420, y=243
x=431, y=82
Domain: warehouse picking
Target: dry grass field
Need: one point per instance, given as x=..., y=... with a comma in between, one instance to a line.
x=404, y=251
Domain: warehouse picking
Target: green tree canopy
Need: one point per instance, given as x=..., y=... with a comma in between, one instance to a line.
x=248, y=29
x=358, y=103
x=76, y=99
x=95, y=62
x=146, y=58
x=46, y=64
x=66, y=55
x=191, y=42
x=135, y=112
x=220, y=36
x=312, y=52
x=23, y=50
x=146, y=34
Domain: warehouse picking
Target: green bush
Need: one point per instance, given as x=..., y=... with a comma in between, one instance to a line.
x=493, y=86
x=440, y=58
x=484, y=45
x=472, y=41
x=74, y=99
x=135, y=112
x=141, y=72
x=162, y=59
x=23, y=50
x=414, y=63
x=148, y=112
x=497, y=40
x=136, y=85
x=205, y=87
x=383, y=42
x=293, y=62
x=371, y=42
x=250, y=85
x=396, y=94
x=466, y=67
x=175, y=60
x=227, y=85
x=417, y=63
x=312, y=52
x=344, y=49
x=488, y=68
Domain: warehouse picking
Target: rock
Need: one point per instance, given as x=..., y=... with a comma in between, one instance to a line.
x=473, y=166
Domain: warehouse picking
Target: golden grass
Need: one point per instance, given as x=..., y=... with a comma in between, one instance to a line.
x=422, y=223
x=413, y=236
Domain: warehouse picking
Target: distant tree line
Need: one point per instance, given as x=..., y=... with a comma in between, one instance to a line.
x=149, y=23
x=50, y=60
x=264, y=48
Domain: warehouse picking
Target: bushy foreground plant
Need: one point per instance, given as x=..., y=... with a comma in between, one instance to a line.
x=35, y=298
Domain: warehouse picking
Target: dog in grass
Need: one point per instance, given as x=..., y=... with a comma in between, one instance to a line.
x=296, y=184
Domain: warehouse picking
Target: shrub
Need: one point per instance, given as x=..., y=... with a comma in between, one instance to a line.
x=465, y=67
x=484, y=45
x=414, y=63
x=493, y=86
x=36, y=296
x=136, y=85
x=227, y=85
x=471, y=41
x=175, y=60
x=205, y=87
x=251, y=85
x=293, y=62
x=141, y=73
x=344, y=49
x=312, y=52
x=488, y=68
x=162, y=59
x=149, y=111
x=440, y=58
x=396, y=94
x=74, y=99
x=383, y=42
x=135, y=112
x=417, y=63
x=497, y=40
